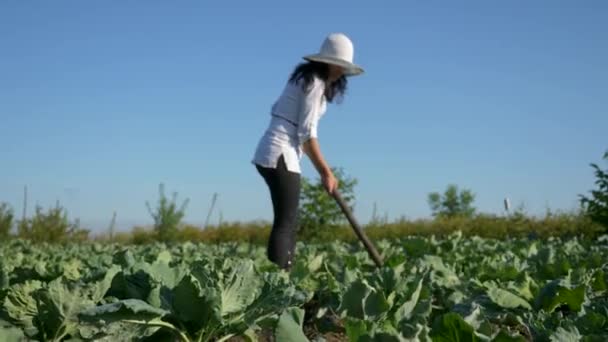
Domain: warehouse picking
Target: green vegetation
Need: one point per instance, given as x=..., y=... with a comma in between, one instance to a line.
x=596, y=206
x=6, y=220
x=51, y=226
x=487, y=226
x=319, y=213
x=167, y=216
x=460, y=275
x=320, y=219
x=452, y=203
x=430, y=289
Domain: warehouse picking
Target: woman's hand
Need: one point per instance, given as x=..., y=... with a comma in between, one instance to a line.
x=313, y=150
x=329, y=182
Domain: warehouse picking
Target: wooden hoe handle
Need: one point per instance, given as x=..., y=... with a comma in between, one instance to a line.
x=368, y=245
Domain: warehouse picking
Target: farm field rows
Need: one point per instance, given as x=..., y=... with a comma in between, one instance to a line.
x=430, y=289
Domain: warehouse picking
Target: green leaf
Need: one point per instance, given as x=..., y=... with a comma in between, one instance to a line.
x=507, y=299
x=20, y=307
x=167, y=275
x=58, y=308
x=474, y=317
x=368, y=331
x=554, y=295
x=599, y=281
x=592, y=322
x=563, y=335
x=289, y=326
x=239, y=288
x=277, y=293
x=441, y=275
x=386, y=337
x=500, y=272
x=524, y=287
x=456, y=297
x=404, y=312
x=386, y=333
x=249, y=336
x=355, y=328
x=10, y=333
x=146, y=281
x=424, y=306
x=451, y=327
x=391, y=279
x=124, y=258
x=414, y=332
x=196, y=307
x=164, y=257
x=353, y=299
x=351, y=274
x=71, y=269
x=417, y=247
x=126, y=331
x=160, y=297
x=98, y=290
x=375, y=305
x=128, y=309
x=4, y=277
x=505, y=337
x=131, y=286
x=315, y=264
x=160, y=271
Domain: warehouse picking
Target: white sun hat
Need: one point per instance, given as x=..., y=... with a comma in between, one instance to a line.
x=337, y=49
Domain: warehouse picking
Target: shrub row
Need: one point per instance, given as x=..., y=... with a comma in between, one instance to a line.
x=53, y=226
x=557, y=225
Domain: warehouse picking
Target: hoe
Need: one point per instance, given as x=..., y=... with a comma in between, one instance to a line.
x=368, y=245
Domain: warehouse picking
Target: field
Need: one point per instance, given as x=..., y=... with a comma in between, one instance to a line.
x=453, y=288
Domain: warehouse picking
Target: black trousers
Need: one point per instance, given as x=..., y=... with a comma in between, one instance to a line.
x=284, y=187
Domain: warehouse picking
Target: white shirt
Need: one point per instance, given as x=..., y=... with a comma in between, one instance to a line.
x=294, y=119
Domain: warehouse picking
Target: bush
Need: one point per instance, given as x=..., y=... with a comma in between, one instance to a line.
x=51, y=226
x=559, y=224
x=319, y=213
x=255, y=232
x=6, y=220
x=167, y=216
x=452, y=203
x=596, y=206
x=491, y=226
x=141, y=236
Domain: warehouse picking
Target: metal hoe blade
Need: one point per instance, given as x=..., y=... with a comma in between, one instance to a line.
x=368, y=245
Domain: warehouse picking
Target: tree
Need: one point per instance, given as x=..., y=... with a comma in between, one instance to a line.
x=318, y=211
x=167, y=216
x=453, y=203
x=52, y=226
x=596, y=206
x=6, y=220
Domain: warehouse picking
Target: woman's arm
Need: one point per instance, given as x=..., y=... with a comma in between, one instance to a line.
x=313, y=150
x=308, y=119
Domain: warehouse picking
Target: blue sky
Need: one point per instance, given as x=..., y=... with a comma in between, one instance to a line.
x=102, y=101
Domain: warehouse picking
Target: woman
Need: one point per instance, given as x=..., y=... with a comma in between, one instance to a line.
x=293, y=131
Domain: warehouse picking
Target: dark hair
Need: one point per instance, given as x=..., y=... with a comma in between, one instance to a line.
x=306, y=71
